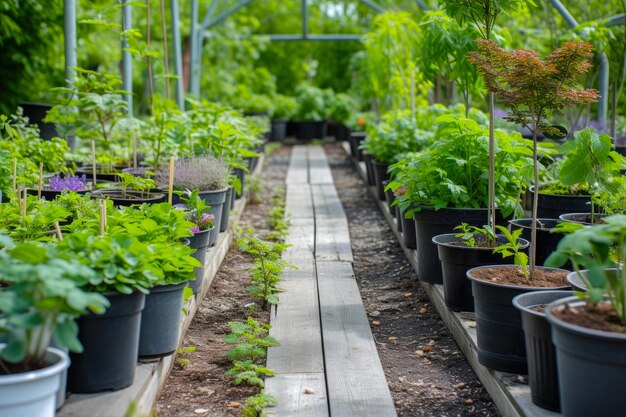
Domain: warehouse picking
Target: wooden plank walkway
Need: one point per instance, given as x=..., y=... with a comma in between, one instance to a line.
x=327, y=364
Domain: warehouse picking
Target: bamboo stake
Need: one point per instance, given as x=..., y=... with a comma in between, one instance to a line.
x=103, y=217
x=14, y=174
x=93, y=161
x=57, y=229
x=40, y=180
x=171, y=181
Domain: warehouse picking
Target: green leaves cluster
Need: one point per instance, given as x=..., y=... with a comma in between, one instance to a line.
x=277, y=220
x=251, y=339
x=597, y=248
x=255, y=405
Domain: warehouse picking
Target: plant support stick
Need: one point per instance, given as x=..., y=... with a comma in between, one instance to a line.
x=170, y=186
x=93, y=159
x=40, y=180
x=14, y=174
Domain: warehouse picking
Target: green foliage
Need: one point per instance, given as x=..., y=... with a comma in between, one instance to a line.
x=469, y=233
x=277, y=220
x=595, y=248
x=40, y=299
x=198, y=209
x=312, y=103
x=513, y=247
x=255, y=405
x=452, y=173
x=268, y=267
x=182, y=355
x=251, y=339
x=341, y=107
x=31, y=220
x=135, y=182
x=248, y=372
x=165, y=133
x=397, y=133
x=27, y=171
x=481, y=13
x=284, y=107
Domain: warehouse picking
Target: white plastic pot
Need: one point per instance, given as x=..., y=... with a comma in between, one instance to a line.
x=33, y=393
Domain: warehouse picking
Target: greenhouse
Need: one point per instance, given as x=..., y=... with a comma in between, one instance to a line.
x=312, y=208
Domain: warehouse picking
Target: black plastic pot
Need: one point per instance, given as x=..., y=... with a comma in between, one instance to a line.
x=430, y=223
x=278, y=131
x=546, y=240
x=380, y=175
x=551, y=206
x=499, y=333
x=36, y=112
x=49, y=195
x=226, y=210
x=160, y=321
x=132, y=197
x=408, y=231
x=199, y=242
x=591, y=366
x=341, y=132
x=216, y=200
x=540, y=353
x=456, y=259
x=399, y=216
x=111, y=343
x=577, y=282
x=241, y=174
x=369, y=168
x=389, y=198
x=582, y=218
x=355, y=144
x=87, y=170
x=310, y=129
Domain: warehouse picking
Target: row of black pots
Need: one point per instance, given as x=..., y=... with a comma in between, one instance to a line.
x=307, y=130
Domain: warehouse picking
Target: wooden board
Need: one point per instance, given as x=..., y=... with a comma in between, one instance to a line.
x=298, y=170
x=332, y=236
x=319, y=169
x=289, y=389
x=299, y=201
x=357, y=386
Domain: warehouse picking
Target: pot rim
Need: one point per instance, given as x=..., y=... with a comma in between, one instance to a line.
x=581, y=284
x=585, y=196
x=517, y=300
x=525, y=243
x=62, y=363
x=547, y=229
x=495, y=284
x=574, y=328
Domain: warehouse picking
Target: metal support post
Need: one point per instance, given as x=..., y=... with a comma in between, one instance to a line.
x=178, y=55
x=127, y=59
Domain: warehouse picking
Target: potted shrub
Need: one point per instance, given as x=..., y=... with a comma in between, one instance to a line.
x=341, y=108
x=208, y=174
x=284, y=109
x=310, y=117
x=130, y=189
x=357, y=124
x=589, y=330
x=40, y=298
x=530, y=87
x=446, y=185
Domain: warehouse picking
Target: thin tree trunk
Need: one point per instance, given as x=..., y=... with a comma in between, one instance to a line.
x=492, y=164
x=533, y=230
x=166, y=61
x=149, y=58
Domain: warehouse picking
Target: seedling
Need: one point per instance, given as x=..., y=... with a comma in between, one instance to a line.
x=468, y=234
x=513, y=247
x=248, y=372
x=183, y=353
x=251, y=339
x=255, y=405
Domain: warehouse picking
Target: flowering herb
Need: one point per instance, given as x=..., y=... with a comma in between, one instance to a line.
x=199, y=212
x=74, y=183
x=203, y=173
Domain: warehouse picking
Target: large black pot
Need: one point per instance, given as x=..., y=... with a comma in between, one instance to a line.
x=87, y=170
x=380, y=176
x=200, y=242
x=585, y=219
x=110, y=342
x=355, y=144
x=310, y=129
x=547, y=241
x=131, y=197
x=389, y=198
x=456, y=259
x=36, y=112
x=551, y=206
x=341, y=132
x=279, y=130
x=540, y=354
x=408, y=231
x=430, y=223
x=591, y=367
x=216, y=200
x=499, y=333
x=226, y=209
x=160, y=321
x=369, y=168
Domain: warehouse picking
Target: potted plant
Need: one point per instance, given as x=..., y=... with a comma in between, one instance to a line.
x=589, y=330
x=207, y=174
x=446, y=185
x=310, y=116
x=284, y=109
x=530, y=87
x=25, y=169
x=57, y=184
x=131, y=189
x=341, y=108
x=40, y=299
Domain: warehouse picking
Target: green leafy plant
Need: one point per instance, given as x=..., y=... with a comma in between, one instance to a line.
x=27, y=171
x=250, y=373
x=268, y=267
x=199, y=211
x=251, y=339
x=284, y=107
x=135, y=183
x=468, y=234
x=277, y=220
x=31, y=219
x=39, y=299
x=255, y=405
x=596, y=249
x=183, y=353
x=513, y=247
x=312, y=103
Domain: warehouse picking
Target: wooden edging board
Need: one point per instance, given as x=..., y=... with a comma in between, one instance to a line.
x=509, y=393
x=150, y=377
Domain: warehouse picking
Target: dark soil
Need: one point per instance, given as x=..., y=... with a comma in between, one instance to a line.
x=598, y=317
x=427, y=373
x=512, y=275
x=201, y=387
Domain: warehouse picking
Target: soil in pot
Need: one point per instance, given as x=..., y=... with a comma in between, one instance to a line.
x=457, y=258
x=501, y=343
x=583, y=218
x=540, y=352
x=87, y=170
x=591, y=362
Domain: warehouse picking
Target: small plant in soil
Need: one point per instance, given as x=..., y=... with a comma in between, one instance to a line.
x=251, y=339
x=512, y=247
x=250, y=373
x=255, y=187
x=597, y=249
x=182, y=359
x=268, y=267
x=277, y=220
x=135, y=183
x=255, y=406
x=474, y=236
x=199, y=212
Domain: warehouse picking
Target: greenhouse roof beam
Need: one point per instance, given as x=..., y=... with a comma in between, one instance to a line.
x=421, y=4
x=616, y=20
x=307, y=37
x=219, y=19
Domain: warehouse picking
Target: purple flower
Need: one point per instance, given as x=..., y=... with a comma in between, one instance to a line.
x=195, y=230
x=74, y=183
